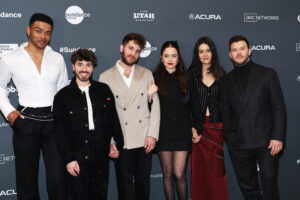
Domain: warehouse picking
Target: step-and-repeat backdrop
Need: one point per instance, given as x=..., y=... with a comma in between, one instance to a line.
x=272, y=27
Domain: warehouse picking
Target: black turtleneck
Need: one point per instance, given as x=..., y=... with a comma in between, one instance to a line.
x=241, y=74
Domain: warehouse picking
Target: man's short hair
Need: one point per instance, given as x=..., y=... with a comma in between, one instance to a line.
x=138, y=38
x=84, y=54
x=238, y=38
x=41, y=17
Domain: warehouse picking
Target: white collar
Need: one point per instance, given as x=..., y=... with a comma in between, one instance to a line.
x=121, y=69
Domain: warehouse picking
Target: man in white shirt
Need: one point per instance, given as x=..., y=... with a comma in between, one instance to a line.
x=38, y=73
x=129, y=84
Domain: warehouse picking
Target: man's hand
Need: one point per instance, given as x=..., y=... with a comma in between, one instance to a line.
x=149, y=144
x=152, y=89
x=113, y=152
x=73, y=168
x=196, y=138
x=275, y=146
x=12, y=116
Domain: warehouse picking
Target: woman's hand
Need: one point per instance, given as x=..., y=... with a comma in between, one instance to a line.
x=196, y=138
x=152, y=89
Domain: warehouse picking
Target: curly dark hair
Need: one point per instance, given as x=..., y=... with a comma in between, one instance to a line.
x=138, y=38
x=84, y=54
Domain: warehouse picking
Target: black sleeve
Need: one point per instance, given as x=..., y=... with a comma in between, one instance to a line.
x=195, y=104
x=155, y=81
x=278, y=109
x=63, y=140
x=225, y=108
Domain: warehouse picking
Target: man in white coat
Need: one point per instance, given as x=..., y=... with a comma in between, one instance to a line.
x=129, y=84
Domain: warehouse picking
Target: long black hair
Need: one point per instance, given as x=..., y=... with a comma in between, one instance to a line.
x=161, y=72
x=196, y=66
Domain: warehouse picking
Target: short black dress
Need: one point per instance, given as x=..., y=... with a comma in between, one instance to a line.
x=176, y=125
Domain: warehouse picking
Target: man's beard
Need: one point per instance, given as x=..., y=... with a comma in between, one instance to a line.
x=85, y=78
x=124, y=60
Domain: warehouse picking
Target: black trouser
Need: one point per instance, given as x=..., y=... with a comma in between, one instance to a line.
x=92, y=182
x=30, y=137
x=133, y=169
x=245, y=167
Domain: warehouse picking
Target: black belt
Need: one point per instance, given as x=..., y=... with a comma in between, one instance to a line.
x=39, y=113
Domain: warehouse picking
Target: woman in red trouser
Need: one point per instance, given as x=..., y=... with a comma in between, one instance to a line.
x=208, y=179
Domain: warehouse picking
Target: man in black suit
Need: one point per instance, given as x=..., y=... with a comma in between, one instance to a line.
x=85, y=120
x=254, y=120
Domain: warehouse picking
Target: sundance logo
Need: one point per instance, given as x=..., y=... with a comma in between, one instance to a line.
x=144, y=16
x=298, y=18
x=10, y=15
x=8, y=192
x=71, y=50
x=263, y=48
x=75, y=15
x=254, y=17
x=297, y=46
x=298, y=79
x=6, y=48
x=4, y=159
x=205, y=17
x=147, y=50
x=298, y=161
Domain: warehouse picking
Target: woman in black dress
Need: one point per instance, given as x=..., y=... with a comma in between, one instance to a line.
x=175, y=137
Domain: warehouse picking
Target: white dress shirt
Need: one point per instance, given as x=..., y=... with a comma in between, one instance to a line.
x=89, y=105
x=121, y=70
x=34, y=89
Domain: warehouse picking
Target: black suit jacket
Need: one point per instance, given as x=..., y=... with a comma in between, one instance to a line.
x=71, y=122
x=254, y=116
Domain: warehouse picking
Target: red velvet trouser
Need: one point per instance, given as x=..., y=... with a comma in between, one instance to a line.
x=208, y=178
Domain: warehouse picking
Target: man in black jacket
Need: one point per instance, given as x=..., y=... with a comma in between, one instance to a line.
x=254, y=121
x=85, y=120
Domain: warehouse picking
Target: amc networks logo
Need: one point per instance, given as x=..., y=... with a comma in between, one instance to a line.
x=254, y=17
